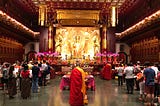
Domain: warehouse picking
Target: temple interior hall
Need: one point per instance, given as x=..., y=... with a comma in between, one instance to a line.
x=80, y=30
x=90, y=32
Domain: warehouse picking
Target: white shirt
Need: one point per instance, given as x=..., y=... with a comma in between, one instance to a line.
x=155, y=69
x=129, y=71
x=44, y=66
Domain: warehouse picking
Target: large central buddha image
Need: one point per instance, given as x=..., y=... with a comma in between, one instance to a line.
x=77, y=42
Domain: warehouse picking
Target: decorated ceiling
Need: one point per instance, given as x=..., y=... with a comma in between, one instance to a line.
x=102, y=5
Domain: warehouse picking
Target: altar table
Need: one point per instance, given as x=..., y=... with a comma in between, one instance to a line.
x=65, y=82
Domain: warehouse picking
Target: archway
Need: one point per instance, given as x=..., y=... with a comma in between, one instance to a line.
x=123, y=58
x=31, y=55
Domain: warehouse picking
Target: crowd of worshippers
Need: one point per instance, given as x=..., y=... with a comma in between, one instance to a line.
x=26, y=77
x=30, y=76
x=144, y=78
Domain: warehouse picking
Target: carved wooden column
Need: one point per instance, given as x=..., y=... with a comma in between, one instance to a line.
x=43, y=45
x=111, y=39
x=54, y=33
x=50, y=39
x=101, y=30
x=104, y=39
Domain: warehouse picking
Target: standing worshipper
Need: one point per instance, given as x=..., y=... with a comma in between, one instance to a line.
x=137, y=69
x=77, y=87
x=155, y=68
x=25, y=83
x=30, y=65
x=44, y=69
x=141, y=81
x=158, y=81
x=40, y=74
x=107, y=71
x=129, y=71
x=17, y=70
x=5, y=71
x=12, y=89
x=120, y=70
x=149, y=75
x=35, y=72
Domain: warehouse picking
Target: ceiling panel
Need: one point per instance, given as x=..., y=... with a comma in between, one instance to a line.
x=33, y=4
x=102, y=5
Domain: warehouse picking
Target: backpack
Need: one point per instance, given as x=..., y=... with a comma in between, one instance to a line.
x=5, y=73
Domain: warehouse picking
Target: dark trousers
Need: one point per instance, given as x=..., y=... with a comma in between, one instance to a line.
x=4, y=81
x=137, y=85
x=44, y=78
x=124, y=80
x=40, y=80
x=130, y=85
x=156, y=90
x=120, y=80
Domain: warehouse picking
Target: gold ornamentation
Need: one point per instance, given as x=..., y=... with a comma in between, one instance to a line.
x=78, y=17
x=77, y=42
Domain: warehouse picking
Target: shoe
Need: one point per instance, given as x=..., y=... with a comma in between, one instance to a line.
x=38, y=90
x=11, y=97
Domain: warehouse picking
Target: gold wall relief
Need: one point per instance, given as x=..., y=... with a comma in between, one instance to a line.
x=77, y=42
x=78, y=17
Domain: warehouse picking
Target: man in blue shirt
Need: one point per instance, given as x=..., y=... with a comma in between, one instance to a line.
x=149, y=75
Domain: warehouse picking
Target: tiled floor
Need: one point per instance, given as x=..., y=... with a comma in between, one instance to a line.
x=107, y=93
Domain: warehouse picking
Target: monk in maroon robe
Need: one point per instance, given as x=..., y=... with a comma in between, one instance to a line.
x=106, y=73
x=77, y=87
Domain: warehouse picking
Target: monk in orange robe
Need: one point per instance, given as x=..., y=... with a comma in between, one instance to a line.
x=106, y=72
x=77, y=87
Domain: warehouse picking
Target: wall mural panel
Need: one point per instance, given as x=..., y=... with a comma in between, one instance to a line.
x=10, y=49
x=145, y=50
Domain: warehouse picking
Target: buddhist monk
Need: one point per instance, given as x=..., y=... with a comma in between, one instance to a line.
x=106, y=72
x=77, y=87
